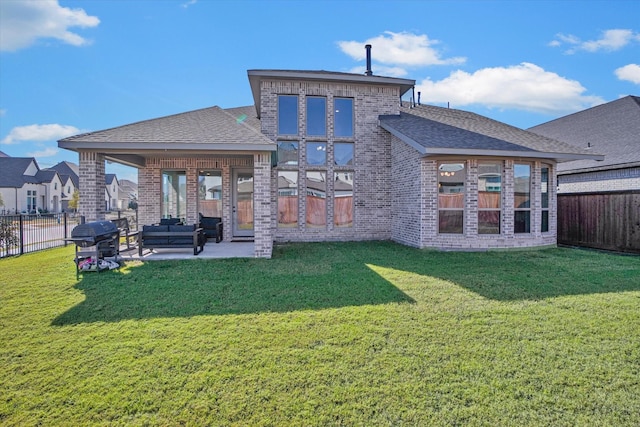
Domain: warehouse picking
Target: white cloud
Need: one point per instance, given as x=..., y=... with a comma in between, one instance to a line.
x=630, y=73
x=23, y=22
x=523, y=87
x=3, y=112
x=399, y=49
x=610, y=40
x=39, y=133
x=189, y=3
x=47, y=152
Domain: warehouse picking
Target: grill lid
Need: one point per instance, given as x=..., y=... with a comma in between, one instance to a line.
x=89, y=233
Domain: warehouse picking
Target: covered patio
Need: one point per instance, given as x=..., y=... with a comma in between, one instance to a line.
x=210, y=162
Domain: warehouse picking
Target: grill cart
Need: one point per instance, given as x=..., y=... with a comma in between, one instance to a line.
x=94, y=242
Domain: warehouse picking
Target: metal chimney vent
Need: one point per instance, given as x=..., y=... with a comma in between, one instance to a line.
x=368, y=49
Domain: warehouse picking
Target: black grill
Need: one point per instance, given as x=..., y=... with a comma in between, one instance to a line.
x=92, y=233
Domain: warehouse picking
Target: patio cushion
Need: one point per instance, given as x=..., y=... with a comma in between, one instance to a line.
x=153, y=240
x=181, y=240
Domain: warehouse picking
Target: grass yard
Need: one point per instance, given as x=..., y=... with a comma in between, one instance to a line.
x=347, y=334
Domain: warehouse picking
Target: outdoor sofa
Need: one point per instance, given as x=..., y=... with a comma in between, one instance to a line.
x=171, y=236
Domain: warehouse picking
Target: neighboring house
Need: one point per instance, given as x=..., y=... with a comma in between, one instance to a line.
x=112, y=192
x=128, y=193
x=326, y=156
x=26, y=188
x=70, y=182
x=612, y=129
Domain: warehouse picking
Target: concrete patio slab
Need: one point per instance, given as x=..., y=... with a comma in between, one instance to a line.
x=211, y=250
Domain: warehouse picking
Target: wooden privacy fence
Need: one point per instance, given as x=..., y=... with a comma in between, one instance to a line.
x=608, y=221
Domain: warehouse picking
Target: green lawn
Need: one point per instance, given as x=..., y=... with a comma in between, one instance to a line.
x=324, y=334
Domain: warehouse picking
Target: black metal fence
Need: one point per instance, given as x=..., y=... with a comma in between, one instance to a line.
x=20, y=234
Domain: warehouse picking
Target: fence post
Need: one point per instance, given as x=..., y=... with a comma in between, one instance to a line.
x=66, y=236
x=21, y=235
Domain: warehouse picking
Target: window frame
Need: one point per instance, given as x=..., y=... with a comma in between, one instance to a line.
x=442, y=173
x=336, y=114
x=281, y=116
x=308, y=117
x=518, y=209
x=545, y=187
x=498, y=209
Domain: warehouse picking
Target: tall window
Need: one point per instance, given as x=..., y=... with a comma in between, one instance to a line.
x=451, y=190
x=174, y=194
x=544, y=178
x=316, y=116
x=343, y=118
x=287, y=115
x=343, y=199
x=316, y=199
x=210, y=193
x=522, y=198
x=31, y=201
x=489, y=197
x=287, y=199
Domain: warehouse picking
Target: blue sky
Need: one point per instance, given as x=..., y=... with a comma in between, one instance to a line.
x=68, y=67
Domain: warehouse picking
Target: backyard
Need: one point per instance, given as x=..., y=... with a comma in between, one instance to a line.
x=369, y=333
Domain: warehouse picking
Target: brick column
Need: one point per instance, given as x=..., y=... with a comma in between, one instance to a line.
x=92, y=186
x=262, y=205
x=508, y=198
x=471, y=200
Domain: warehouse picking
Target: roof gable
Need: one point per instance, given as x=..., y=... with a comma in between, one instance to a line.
x=16, y=171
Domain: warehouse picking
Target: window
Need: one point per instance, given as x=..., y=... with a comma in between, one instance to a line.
x=489, y=197
x=287, y=115
x=287, y=153
x=544, y=178
x=343, y=118
x=316, y=153
x=522, y=198
x=451, y=190
x=55, y=185
x=343, y=199
x=316, y=116
x=287, y=199
x=68, y=189
x=316, y=199
x=210, y=193
x=174, y=194
x=31, y=201
x=343, y=153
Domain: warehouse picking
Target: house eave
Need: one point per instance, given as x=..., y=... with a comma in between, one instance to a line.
x=600, y=168
x=526, y=153
x=120, y=147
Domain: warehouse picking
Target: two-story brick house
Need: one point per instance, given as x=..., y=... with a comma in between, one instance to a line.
x=326, y=156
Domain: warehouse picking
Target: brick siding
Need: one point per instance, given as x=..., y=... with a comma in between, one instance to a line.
x=609, y=180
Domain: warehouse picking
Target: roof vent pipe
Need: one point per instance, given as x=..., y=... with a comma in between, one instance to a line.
x=418, y=97
x=368, y=49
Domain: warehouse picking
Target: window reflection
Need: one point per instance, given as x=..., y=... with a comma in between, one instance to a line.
x=316, y=199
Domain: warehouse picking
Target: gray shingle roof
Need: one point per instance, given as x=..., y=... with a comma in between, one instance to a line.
x=437, y=130
x=612, y=129
x=70, y=169
x=208, y=128
x=12, y=171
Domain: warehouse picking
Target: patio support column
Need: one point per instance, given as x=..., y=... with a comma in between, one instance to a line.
x=92, y=186
x=262, y=205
